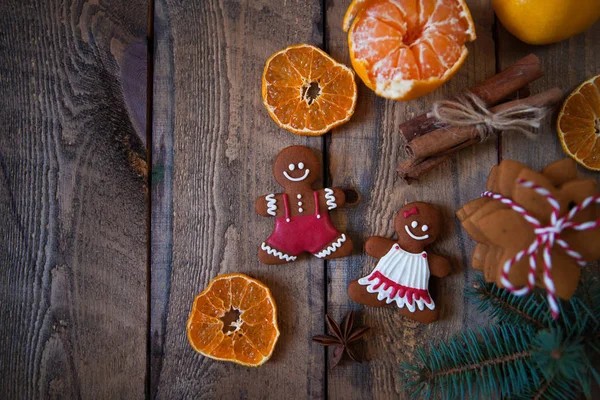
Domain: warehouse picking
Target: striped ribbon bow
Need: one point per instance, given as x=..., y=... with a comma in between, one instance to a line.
x=546, y=236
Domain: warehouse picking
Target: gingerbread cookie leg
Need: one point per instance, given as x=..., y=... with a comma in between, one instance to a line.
x=340, y=247
x=425, y=316
x=271, y=256
x=360, y=294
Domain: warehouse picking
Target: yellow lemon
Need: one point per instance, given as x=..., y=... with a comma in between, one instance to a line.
x=546, y=21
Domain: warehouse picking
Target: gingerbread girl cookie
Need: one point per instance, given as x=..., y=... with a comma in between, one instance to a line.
x=302, y=222
x=402, y=273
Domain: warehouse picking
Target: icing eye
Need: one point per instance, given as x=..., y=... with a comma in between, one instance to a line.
x=300, y=165
x=424, y=228
x=292, y=167
x=414, y=224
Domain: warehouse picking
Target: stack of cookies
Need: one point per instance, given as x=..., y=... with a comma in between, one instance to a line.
x=501, y=232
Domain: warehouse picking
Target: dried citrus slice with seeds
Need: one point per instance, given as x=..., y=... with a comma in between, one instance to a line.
x=403, y=49
x=578, y=124
x=306, y=91
x=234, y=319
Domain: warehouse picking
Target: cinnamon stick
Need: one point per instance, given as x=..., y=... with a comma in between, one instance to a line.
x=491, y=91
x=411, y=170
x=446, y=140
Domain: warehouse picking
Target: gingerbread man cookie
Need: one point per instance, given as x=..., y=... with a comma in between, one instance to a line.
x=302, y=222
x=402, y=273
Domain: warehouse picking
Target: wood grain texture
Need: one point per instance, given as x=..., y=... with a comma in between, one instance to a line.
x=161, y=183
x=72, y=199
x=365, y=153
x=566, y=65
x=210, y=58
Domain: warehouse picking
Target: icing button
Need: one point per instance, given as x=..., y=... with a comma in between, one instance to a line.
x=397, y=246
x=318, y=215
x=299, y=203
x=300, y=209
x=424, y=255
x=299, y=196
x=287, y=220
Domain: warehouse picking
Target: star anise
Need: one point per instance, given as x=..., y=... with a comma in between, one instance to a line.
x=341, y=338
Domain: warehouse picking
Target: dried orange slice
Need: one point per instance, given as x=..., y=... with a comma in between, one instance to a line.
x=403, y=49
x=247, y=305
x=578, y=124
x=306, y=91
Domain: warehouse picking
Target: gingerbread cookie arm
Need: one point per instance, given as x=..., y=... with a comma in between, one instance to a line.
x=270, y=205
x=378, y=247
x=331, y=198
x=439, y=266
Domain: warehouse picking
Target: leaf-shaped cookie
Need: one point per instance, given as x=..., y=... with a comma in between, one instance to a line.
x=561, y=171
x=518, y=272
x=508, y=229
x=586, y=243
x=508, y=171
x=471, y=223
x=536, y=204
x=565, y=271
x=492, y=181
x=492, y=264
x=471, y=207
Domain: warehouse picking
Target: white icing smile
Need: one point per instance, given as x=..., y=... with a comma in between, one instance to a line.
x=412, y=235
x=303, y=177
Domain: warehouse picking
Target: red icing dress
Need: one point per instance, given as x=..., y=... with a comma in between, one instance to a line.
x=294, y=235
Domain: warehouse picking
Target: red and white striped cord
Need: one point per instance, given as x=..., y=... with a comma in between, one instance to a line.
x=546, y=236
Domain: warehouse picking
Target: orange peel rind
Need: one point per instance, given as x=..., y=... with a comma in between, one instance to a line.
x=250, y=339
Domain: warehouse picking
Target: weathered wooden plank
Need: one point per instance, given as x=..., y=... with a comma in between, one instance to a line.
x=210, y=117
x=72, y=199
x=161, y=185
x=365, y=153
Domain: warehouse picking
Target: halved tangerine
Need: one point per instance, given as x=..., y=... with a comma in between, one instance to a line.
x=403, y=49
x=250, y=334
x=578, y=124
x=306, y=91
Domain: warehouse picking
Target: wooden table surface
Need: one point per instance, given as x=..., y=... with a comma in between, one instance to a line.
x=133, y=143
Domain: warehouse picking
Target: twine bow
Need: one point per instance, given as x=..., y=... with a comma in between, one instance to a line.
x=470, y=110
x=546, y=236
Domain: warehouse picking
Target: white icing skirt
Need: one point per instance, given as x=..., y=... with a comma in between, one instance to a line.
x=401, y=277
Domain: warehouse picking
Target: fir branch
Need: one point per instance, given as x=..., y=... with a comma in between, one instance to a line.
x=494, y=358
x=554, y=388
x=478, y=366
x=588, y=292
x=527, y=355
x=542, y=390
x=506, y=307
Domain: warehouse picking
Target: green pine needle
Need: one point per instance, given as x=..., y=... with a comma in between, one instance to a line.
x=526, y=355
x=506, y=307
x=498, y=360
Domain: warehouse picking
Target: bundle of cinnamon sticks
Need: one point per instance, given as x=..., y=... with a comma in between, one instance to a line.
x=428, y=143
